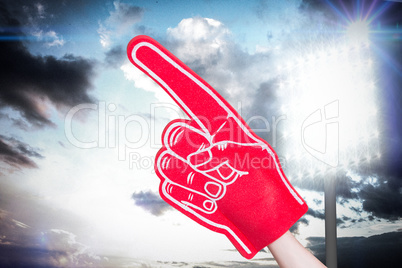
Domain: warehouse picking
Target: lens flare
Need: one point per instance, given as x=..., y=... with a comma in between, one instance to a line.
x=329, y=97
x=358, y=31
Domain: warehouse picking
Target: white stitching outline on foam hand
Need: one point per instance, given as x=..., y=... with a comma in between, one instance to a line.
x=168, y=185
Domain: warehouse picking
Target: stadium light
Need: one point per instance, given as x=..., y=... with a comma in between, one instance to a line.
x=328, y=92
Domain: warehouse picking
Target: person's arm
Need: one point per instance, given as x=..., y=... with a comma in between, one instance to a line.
x=289, y=253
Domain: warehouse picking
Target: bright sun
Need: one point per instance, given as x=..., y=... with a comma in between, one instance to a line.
x=358, y=31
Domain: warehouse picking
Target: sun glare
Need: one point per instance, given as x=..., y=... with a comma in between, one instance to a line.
x=358, y=31
x=329, y=99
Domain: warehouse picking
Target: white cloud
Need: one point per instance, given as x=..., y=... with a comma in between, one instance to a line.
x=143, y=82
x=51, y=38
x=36, y=15
x=200, y=37
x=70, y=252
x=121, y=19
x=124, y=15
x=104, y=35
x=207, y=46
x=200, y=43
x=41, y=10
x=54, y=39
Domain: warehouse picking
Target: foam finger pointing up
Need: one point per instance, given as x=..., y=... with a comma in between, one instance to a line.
x=198, y=99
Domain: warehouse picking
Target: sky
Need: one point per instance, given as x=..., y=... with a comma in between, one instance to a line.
x=80, y=126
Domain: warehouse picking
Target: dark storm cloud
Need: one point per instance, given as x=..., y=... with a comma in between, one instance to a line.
x=151, y=202
x=295, y=227
x=346, y=187
x=383, y=200
x=30, y=82
x=339, y=221
x=115, y=56
x=16, y=153
x=374, y=251
x=74, y=255
x=14, y=232
x=123, y=19
x=315, y=5
x=47, y=13
x=380, y=195
x=316, y=213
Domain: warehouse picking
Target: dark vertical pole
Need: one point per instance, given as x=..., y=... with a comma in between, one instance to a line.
x=330, y=222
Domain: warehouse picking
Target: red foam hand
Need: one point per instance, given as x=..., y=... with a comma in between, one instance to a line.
x=213, y=168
